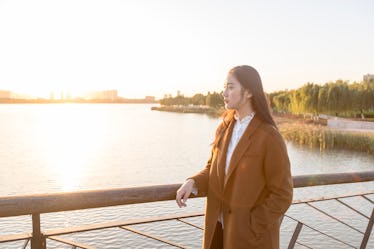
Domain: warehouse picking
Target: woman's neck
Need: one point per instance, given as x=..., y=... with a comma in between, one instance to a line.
x=244, y=111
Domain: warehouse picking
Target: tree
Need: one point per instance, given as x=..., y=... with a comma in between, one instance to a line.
x=214, y=100
x=296, y=102
x=280, y=102
x=338, y=98
x=309, y=98
x=198, y=99
x=322, y=99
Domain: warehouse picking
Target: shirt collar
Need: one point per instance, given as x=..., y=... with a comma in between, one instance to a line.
x=246, y=119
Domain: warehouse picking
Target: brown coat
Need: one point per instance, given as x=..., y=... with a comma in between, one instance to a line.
x=254, y=194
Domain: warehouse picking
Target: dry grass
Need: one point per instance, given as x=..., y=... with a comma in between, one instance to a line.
x=323, y=137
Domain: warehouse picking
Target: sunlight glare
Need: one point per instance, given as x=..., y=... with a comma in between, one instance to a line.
x=66, y=136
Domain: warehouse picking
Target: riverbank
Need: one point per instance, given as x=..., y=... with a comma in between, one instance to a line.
x=301, y=131
x=323, y=137
x=189, y=109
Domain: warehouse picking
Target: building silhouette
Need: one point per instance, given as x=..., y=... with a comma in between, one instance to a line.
x=103, y=95
x=369, y=77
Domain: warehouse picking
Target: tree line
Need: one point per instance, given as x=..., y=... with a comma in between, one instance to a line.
x=213, y=100
x=335, y=98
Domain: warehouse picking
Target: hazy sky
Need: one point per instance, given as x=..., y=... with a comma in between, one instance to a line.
x=150, y=47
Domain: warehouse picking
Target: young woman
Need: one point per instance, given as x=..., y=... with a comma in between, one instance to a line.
x=247, y=179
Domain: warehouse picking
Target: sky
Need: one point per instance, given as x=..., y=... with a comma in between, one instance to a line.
x=157, y=47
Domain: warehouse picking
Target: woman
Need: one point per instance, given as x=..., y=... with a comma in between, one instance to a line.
x=247, y=180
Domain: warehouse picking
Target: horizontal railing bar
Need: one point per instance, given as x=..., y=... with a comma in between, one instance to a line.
x=15, y=237
x=56, y=202
x=329, y=179
x=133, y=230
x=99, y=226
x=68, y=201
x=70, y=242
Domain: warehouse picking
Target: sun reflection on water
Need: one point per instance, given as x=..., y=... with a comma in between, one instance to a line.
x=66, y=136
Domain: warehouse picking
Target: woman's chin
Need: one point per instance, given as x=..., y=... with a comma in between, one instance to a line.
x=228, y=107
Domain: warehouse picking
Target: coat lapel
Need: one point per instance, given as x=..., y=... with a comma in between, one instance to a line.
x=241, y=147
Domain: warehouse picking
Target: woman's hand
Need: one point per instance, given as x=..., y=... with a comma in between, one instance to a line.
x=184, y=192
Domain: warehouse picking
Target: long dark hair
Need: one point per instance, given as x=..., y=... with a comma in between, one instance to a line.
x=250, y=80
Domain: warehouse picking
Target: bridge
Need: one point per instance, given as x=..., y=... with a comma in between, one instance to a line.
x=35, y=205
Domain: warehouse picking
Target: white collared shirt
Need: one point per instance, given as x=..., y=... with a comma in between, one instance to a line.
x=238, y=131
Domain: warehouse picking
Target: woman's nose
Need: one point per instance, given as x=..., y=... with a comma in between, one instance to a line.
x=224, y=93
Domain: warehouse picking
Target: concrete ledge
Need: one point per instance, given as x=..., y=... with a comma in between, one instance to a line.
x=349, y=124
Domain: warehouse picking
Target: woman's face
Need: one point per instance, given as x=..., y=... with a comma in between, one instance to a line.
x=234, y=95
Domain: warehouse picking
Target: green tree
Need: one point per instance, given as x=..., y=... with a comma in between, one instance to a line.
x=338, y=98
x=214, y=100
x=296, y=106
x=308, y=98
x=368, y=96
x=198, y=99
x=280, y=102
x=322, y=99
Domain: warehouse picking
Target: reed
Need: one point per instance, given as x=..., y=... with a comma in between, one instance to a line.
x=326, y=138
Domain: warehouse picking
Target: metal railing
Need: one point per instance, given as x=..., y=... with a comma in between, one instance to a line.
x=35, y=205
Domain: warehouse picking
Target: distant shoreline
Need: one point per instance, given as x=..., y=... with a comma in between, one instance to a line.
x=77, y=101
x=189, y=109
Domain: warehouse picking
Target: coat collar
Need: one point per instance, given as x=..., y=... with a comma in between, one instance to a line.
x=239, y=150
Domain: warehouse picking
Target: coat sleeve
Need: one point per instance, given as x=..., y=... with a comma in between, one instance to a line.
x=278, y=179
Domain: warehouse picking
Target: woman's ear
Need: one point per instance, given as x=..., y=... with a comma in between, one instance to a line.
x=248, y=95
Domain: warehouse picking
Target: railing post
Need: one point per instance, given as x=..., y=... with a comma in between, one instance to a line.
x=295, y=235
x=37, y=241
x=368, y=231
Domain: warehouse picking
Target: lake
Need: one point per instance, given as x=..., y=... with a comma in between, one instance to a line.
x=47, y=148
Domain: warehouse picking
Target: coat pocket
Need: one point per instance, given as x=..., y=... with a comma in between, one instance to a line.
x=253, y=232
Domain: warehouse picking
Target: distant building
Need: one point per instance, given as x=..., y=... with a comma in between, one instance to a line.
x=150, y=98
x=369, y=78
x=5, y=94
x=20, y=96
x=12, y=95
x=103, y=95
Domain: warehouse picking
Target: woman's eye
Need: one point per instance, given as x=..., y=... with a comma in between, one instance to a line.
x=228, y=87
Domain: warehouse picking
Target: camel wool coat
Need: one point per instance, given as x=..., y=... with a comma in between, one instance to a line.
x=254, y=194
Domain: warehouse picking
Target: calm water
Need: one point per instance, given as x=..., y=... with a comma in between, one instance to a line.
x=67, y=147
